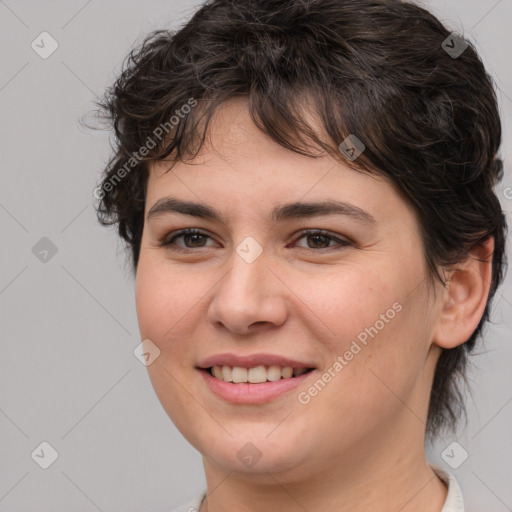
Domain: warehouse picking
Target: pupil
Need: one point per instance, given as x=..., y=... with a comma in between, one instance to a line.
x=189, y=235
x=320, y=236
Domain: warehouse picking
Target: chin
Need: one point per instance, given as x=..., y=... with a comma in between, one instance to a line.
x=257, y=457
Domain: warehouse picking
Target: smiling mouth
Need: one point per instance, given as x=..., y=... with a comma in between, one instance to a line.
x=255, y=375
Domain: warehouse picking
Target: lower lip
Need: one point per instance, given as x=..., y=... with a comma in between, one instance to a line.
x=247, y=393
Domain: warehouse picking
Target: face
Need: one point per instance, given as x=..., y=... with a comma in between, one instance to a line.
x=342, y=294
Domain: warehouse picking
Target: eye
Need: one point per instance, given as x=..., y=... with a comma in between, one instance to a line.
x=321, y=239
x=193, y=239
x=196, y=239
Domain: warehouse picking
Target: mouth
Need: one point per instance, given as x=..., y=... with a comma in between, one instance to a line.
x=254, y=385
x=253, y=378
x=256, y=374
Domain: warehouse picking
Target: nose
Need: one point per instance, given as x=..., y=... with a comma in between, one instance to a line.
x=249, y=298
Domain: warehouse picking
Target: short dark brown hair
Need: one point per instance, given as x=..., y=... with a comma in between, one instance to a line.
x=377, y=69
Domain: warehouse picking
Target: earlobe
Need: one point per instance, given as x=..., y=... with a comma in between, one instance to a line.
x=465, y=297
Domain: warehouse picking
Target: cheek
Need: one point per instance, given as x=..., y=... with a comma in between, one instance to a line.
x=373, y=327
x=167, y=311
x=167, y=303
x=356, y=304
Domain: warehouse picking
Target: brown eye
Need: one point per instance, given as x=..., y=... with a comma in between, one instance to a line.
x=321, y=240
x=192, y=239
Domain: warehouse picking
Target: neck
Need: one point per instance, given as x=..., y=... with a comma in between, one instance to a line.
x=388, y=476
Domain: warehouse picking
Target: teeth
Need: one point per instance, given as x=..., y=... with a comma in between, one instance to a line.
x=239, y=374
x=287, y=372
x=217, y=372
x=273, y=373
x=255, y=375
x=226, y=373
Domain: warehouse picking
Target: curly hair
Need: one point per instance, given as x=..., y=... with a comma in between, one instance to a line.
x=379, y=69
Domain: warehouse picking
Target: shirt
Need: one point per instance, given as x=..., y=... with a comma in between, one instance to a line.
x=454, y=501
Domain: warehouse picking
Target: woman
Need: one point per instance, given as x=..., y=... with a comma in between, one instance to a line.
x=306, y=189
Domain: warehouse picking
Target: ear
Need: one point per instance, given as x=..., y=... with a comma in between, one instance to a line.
x=465, y=297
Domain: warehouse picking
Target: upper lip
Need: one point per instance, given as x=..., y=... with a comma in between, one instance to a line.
x=251, y=361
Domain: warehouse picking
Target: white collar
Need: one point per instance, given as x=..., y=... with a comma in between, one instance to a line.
x=454, y=500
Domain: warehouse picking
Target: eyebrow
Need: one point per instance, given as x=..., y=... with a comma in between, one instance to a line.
x=297, y=210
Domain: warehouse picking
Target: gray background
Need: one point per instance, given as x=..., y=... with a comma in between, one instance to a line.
x=68, y=324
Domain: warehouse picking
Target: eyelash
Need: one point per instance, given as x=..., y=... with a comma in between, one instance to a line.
x=192, y=231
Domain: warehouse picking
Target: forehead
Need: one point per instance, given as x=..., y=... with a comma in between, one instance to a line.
x=241, y=167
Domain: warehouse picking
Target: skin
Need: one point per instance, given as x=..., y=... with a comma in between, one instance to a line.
x=359, y=443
